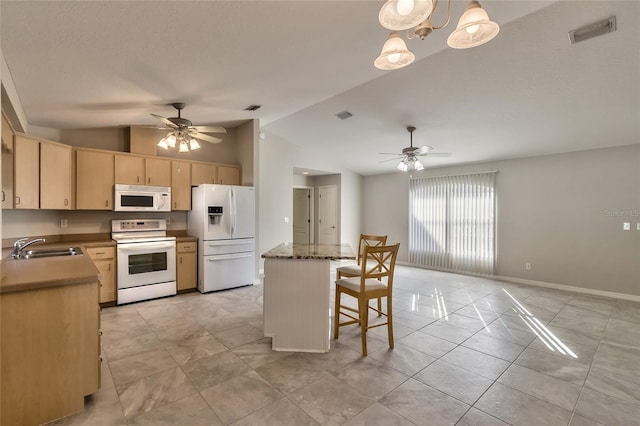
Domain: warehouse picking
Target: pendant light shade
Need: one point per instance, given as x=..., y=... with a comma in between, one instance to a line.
x=193, y=144
x=394, y=54
x=163, y=144
x=474, y=28
x=398, y=15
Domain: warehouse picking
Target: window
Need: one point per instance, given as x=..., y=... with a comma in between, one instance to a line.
x=452, y=223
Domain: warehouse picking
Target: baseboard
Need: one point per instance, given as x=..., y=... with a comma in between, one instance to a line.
x=590, y=291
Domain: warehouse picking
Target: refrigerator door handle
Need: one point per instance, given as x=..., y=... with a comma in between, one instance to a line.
x=232, y=204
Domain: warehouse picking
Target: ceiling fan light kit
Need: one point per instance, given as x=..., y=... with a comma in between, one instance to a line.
x=474, y=28
x=409, y=160
x=183, y=133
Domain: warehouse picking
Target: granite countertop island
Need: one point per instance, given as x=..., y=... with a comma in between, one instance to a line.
x=297, y=280
x=310, y=251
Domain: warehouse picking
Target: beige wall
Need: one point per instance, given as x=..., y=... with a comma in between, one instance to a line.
x=562, y=213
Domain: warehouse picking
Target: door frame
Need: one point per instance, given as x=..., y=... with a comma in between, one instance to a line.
x=312, y=232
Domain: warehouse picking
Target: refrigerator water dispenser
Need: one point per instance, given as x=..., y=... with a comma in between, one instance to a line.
x=215, y=215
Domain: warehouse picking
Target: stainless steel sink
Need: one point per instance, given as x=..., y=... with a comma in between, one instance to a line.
x=51, y=252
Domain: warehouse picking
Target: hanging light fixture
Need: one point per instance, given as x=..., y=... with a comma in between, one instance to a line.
x=474, y=28
x=181, y=137
x=410, y=164
x=394, y=54
x=397, y=15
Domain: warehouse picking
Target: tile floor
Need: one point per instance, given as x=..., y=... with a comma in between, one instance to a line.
x=469, y=351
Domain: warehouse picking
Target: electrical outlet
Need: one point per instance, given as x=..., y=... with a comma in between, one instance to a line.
x=527, y=266
x=626, y=226
x=64, y=223
x=286, y=220
x=638, y=226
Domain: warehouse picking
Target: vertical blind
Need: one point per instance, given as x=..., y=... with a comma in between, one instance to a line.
x=452, y=223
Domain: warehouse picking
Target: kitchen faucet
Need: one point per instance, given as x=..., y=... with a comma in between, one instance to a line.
x=20, y=245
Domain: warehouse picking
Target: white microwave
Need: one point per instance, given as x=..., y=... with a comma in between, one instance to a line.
x=141, y=198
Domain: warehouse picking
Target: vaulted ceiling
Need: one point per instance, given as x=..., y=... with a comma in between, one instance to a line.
x=527, y=92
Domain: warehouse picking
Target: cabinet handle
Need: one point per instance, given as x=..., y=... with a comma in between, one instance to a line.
x=175, y=204
x=3, y=196
x=100, y=333
x=148, y=180
x=181, y=260
x=17, y=200
x=66, y=202
x=106, y=203
x=99, y=252
x=137, y=179
x=109, y=269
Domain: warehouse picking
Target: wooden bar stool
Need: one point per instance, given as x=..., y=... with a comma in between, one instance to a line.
x=375, y=281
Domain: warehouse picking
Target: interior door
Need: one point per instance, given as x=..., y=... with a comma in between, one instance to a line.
x=301, y=215
x=327, y=215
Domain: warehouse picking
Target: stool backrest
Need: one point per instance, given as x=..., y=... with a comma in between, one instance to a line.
x=369, y=241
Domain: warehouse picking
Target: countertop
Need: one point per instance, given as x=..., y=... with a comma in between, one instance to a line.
x=32, y=274
x=310, y=251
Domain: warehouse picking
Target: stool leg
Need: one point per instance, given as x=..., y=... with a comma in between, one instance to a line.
x=363, y=307
x=336, y=314
x=389, y=321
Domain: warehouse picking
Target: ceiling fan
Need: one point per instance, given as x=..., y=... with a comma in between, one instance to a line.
x=183, y=132
x=409, y=155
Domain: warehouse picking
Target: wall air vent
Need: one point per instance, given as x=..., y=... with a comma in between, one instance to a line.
x=594, y=30
x=344, y=115
x=252, y=108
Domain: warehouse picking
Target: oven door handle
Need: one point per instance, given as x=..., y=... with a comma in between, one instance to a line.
x=136, y=247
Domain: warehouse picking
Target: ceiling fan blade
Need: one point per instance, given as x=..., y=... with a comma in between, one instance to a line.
x=210, y=129
x=392, y=159
x=439, y=154
x=206, y=138
x=164, y=120
x=424, y=149
x=389, y=153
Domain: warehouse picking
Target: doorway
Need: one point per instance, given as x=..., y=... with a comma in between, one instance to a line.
x=302, y=215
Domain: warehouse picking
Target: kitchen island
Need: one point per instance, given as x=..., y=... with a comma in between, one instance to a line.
x=296, y=295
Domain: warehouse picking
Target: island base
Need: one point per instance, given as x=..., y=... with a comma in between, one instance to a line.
x=296, y=304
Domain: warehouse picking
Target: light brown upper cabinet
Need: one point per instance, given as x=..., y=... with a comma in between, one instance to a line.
x=7, y=164
x=55, y=176
x=157, y=171
x=138, y=170
x=94, y=180
x=26, y=172
x=129, y=169
x=203, y=173
x=228, y=175
x=180, y=185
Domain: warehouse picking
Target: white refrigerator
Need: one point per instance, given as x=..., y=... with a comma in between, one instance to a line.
x=222, y=217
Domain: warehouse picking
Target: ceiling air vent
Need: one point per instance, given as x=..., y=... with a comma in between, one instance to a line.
x=344, y=115
x=594, y=30
x=252, y=108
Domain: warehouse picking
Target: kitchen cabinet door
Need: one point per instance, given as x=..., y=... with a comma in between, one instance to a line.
x=129, y=170
x=180, y=185
x=55, y=176
x=26, y=172
x=94, y=180
x=157, y=171
x=228, y=175
x=186, y=266
x=7, y=164
x=203, y=173
x=104, y=259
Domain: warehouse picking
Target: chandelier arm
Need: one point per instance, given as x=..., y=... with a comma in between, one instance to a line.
x=435, y=3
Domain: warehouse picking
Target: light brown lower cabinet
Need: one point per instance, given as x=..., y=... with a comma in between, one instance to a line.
x=50, y=352
x=104, y=259
x=186, y=266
